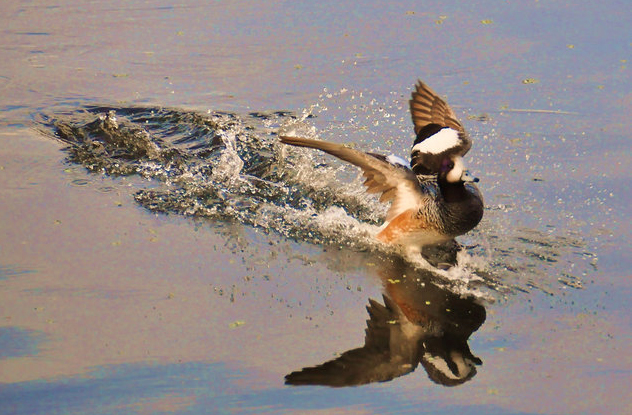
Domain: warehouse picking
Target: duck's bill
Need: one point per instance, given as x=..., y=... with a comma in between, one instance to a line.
x=467, y=177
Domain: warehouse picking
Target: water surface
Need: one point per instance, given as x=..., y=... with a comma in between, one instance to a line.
x=161, y=252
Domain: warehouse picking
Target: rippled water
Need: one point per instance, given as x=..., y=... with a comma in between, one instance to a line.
x=231, y=167
x=160, y=251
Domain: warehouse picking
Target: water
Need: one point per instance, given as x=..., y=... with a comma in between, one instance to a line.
x=231, y=167
x=162, y=252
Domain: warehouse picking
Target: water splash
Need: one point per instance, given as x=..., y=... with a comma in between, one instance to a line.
x=221, y=166
x=231, y=167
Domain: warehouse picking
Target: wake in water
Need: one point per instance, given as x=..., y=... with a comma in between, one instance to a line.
x=231, y=167
x=221, y=166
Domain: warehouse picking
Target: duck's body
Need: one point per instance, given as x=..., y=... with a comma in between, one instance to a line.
x=437, y=218
x=433, y=201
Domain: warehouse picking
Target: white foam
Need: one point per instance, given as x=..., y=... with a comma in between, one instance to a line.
x=446, y=138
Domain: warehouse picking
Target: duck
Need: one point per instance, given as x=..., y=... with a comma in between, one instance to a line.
x=433, y=198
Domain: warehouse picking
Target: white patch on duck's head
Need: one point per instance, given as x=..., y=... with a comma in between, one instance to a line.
x=454, y=175
x=444, y=139
x=464, y=366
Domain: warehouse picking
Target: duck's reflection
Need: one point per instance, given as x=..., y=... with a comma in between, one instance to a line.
x=418, y=322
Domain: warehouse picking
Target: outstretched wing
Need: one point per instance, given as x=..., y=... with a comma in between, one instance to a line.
x=437, y=128
x=395, y=183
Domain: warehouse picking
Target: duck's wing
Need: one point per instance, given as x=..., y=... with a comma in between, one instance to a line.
x=396, y=183
x=430, y=114
x=379, y=360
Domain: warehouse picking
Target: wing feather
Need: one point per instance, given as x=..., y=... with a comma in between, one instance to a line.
x=427, y=108
x=395, y=183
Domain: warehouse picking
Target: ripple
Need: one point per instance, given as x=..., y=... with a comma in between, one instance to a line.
x=231, y=167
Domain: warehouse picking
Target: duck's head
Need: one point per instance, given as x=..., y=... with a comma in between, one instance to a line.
x=439, y=150
x=452, y=170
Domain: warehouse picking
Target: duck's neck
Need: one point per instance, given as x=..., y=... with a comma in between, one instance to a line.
x=452, y=192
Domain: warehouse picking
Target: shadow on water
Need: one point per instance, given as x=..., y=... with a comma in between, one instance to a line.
x=231, y=167
x=420, y=321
